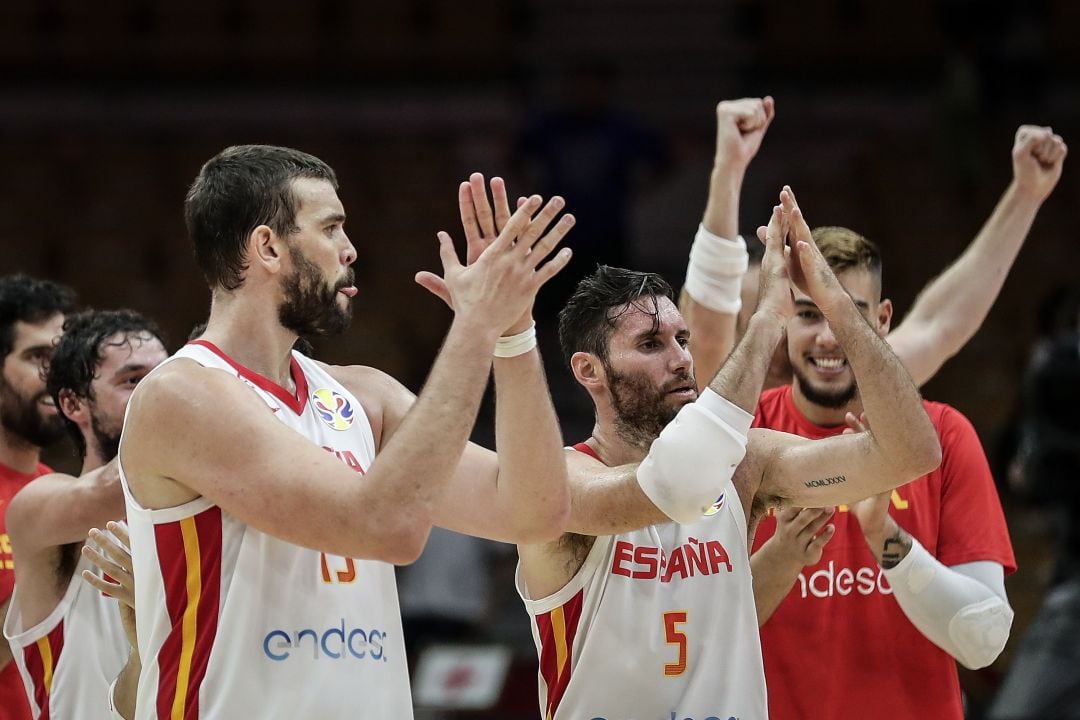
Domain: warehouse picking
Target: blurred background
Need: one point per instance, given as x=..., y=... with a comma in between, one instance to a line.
x=895, y=119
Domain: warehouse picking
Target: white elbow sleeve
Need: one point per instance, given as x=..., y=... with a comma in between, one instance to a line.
x=980, y=631
x=689, y=466
x=714, y=273
x=962, y=615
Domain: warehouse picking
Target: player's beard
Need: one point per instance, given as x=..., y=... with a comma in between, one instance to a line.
x=108, y=441
x=23, y=417
x=832, y=399
x=641, y=409
x=310, y=308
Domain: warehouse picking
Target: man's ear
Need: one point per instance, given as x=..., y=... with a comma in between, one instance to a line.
x=267, y=249
x=588, y=370
x=72, y=406
x=884, y=317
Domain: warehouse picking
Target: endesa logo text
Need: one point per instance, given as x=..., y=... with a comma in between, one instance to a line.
x=642, y=562
x=335, y=643
x=828, y=581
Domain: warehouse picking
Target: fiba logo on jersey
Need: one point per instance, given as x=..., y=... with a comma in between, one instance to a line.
x=715, y=506
x=333, y=409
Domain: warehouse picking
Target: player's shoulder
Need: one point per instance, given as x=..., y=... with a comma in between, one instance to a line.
x=946, y=418
x=583, y=458
x=180, y=389
x=24, y=509
x=44, y=485
x=365, y=382
x=382, y=397
x=180, y=379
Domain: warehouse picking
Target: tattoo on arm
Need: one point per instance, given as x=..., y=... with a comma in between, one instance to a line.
x=823, y=482
x=895, y=549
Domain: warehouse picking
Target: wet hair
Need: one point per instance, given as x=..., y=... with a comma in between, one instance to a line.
x=79, y=353
x=846, y=249
x=236, y=191
x=29, y=300
x=589, y=317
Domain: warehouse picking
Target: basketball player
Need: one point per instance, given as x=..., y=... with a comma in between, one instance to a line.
x=268, y=494
x=68, y=639
x=31, y=318
x=912, y=580
x=950, y=599
x=645, y=608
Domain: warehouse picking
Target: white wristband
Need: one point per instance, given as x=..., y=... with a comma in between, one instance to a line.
x=510, y=346
x=714, y=273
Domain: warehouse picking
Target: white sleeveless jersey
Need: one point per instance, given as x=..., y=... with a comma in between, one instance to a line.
x=68, y=660
x=235, y=623
x=658, y=624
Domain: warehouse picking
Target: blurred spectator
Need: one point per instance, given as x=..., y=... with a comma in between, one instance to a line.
x=1044, y=678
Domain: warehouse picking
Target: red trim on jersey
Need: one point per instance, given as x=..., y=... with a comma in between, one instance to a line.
x=189, y=556
x=584, y=447
x=557, y=629
x=293, y=402
x=41, y=659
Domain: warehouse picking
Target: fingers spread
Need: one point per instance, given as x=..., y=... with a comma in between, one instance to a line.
x=539, y=224
x=546, y=244
x=553, y=266
x=515, y=226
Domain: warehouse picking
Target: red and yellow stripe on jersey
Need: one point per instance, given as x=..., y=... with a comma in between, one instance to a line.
x=41, y=659
x=557, y=631
x=189, y=553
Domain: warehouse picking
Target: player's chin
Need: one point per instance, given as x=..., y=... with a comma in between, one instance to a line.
x=678, y=400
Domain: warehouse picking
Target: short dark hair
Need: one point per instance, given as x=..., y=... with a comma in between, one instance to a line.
x=75, y=361
x=592, y=312
x=237, y=190
x=29, y=300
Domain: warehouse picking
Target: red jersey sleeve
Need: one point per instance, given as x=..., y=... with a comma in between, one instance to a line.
x=972, y=526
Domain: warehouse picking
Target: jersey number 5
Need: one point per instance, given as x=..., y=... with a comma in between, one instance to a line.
x=673, y=635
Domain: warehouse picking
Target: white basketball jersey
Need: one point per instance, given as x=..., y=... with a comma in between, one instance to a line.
x=658, y=624
x=68, y=660
x=235, y=623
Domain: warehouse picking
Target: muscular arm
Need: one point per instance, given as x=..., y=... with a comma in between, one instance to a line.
x=58, y=509
x=952, y=307
x=519, y=494
x=848, y=468
x=272, y=478
x=963, y=609
x=740, y=128
x=901, y=446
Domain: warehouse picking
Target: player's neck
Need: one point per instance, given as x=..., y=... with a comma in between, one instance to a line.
x=92, y=460
x=17, y=453
x=251, y=337
x=612, y=447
